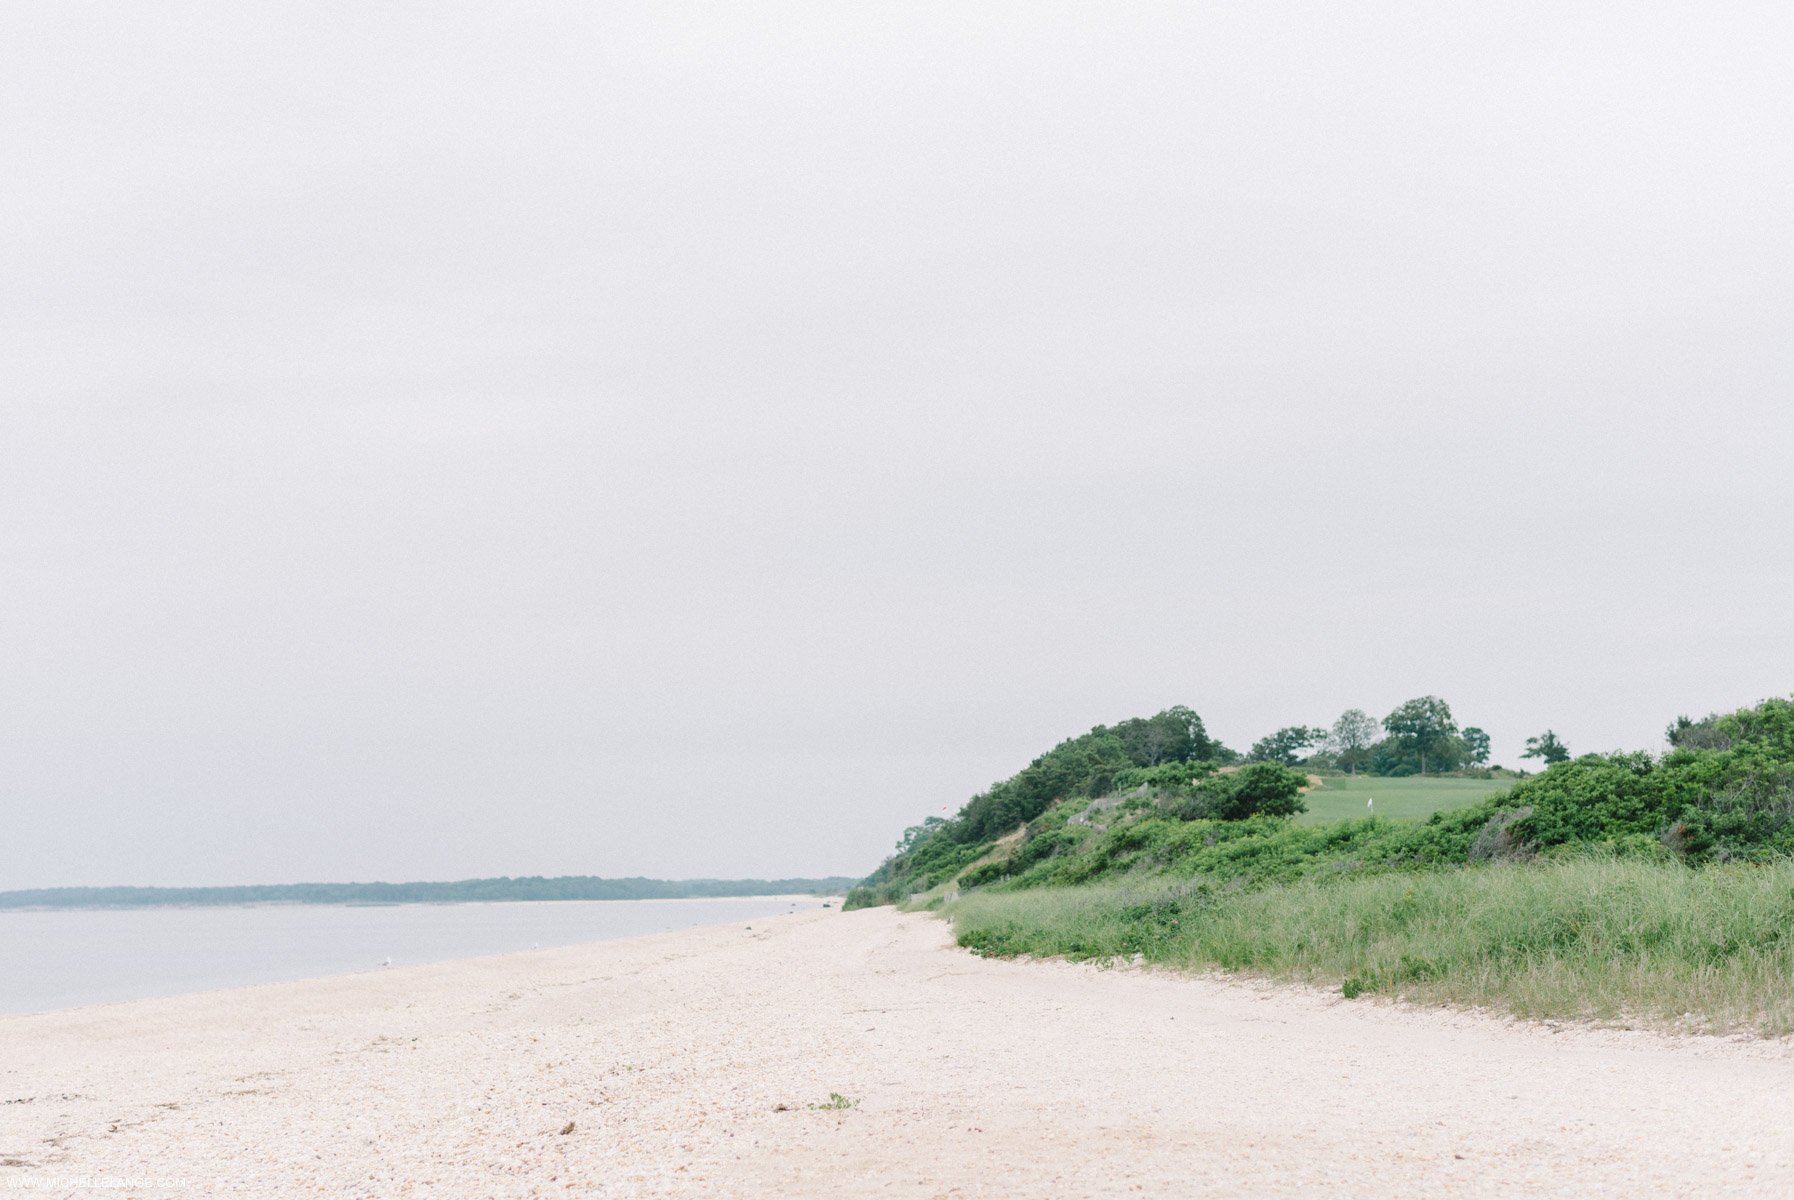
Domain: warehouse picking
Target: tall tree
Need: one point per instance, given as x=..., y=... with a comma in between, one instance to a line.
x=1548, y=747
x=1175, y=735
x=1422, y=727
x=1352, y=737
x=1285, y=746
x=1476, y=746
x=1704, y=734
x=915, y=835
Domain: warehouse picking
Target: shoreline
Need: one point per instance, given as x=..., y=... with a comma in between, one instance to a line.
x=71, y=959
x=707, y=1062
x=834, y=898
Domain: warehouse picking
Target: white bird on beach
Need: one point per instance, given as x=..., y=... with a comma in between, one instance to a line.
x=388, y=961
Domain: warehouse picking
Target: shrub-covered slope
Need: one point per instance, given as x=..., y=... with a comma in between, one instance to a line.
x=1613, y=886
x=1092, y=765
x=1093, y=812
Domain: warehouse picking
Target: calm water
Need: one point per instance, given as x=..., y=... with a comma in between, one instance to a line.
x=63, y=959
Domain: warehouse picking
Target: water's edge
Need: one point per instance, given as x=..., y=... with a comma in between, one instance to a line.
x=68, y=958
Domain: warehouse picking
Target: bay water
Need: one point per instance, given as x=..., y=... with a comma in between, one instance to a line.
x=63, y=958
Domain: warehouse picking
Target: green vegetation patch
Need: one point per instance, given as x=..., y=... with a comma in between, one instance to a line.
x=1610, y=886
x=1255, y=851
x=1591, y=938
x=1090, y=765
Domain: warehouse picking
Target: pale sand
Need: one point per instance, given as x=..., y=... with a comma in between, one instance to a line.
x=671, y=1054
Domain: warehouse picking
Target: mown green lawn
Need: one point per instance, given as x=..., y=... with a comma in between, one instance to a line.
x=1415, y=796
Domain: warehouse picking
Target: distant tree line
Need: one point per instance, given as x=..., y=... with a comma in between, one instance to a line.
x=534, y=887
x=1420, y=737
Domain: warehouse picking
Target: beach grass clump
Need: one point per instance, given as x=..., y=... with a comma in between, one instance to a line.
x=1606, y=938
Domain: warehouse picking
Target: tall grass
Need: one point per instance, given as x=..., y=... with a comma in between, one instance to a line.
x=1612, y=940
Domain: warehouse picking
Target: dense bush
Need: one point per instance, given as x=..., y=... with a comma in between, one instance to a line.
x=1039, y=846
x=1167, y=777
x=1728, y=793
x=1251, y=852
x=1257, y=789
x=1595, y=797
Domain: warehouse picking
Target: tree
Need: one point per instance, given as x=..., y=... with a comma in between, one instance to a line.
x=1703, y=734
x=1284, y=746
x=915, y=835
x=1352, y=737
x=1421, y=727
x=1263, y=789
x=1175, y=735
x=1547, y=747
x=1476, y=746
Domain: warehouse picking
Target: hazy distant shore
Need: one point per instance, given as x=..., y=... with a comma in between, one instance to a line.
x=562, y=887
x=833, y=895
x=68, y=957
x=826, y=1054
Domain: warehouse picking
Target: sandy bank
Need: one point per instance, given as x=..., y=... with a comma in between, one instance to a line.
x=686, y=1063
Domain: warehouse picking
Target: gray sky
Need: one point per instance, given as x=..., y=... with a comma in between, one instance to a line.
x=701, y=439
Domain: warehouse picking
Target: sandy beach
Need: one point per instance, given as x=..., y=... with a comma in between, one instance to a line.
x=702, y=1063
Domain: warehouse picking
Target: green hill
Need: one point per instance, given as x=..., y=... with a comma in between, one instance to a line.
x=1614, y=886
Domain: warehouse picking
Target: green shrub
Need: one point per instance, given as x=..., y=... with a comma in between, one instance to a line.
x=1257, y=789
x=1593, y=797
x=1166, y=777
x=1727, y=795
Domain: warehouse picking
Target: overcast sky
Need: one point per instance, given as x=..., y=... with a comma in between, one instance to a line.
x=703, y=438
